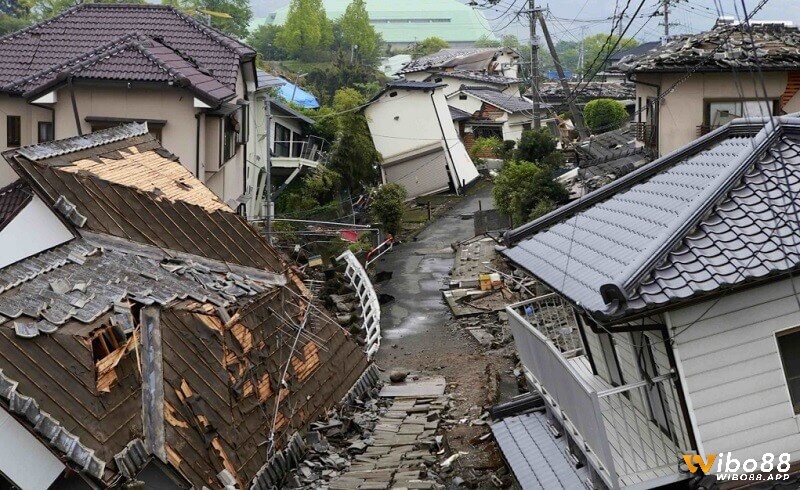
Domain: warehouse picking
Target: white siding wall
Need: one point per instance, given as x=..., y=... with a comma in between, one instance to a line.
x=733, y=371
x=35, y=229
x=23, y=459
x=592, y=345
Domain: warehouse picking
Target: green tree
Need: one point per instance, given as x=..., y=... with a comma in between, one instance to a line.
x=357, y=33
x=535, y=145
x=604, y=115
x=9, y=24
x=306, y=31
x=354, y=155
x=263, y=41
x=487, y=42
x=524, y=190
x=595, y=48
x=429, y=46
x=387, y=206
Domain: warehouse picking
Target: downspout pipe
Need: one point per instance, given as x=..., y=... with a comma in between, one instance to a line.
x=74, y=106
x=197, y=148
x=446, y=145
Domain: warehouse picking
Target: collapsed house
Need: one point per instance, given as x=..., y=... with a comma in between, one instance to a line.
x=150, y=333
x=412, y=127
x=492, y=61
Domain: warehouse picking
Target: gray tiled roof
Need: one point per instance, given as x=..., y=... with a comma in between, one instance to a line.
x=507, y=102
x=449, y=57
x=476, y=77
x=710, y=216
x=727, y=46
x=535, y=456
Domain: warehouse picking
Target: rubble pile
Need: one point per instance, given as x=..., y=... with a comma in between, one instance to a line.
x=377, y=443
x=770, y=46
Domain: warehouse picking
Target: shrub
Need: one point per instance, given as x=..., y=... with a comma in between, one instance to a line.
x=388, y=205
x=525, y=191
x=604, y=115
x=535, y=145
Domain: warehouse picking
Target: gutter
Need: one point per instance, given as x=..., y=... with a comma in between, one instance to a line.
x=197, y=148
x=446, y=145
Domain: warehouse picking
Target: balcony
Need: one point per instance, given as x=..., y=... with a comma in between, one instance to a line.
x=647, y=134
x=297, y=154
x=614, y=427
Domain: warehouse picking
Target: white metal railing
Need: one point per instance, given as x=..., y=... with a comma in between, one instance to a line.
x=310, y=148
x=370, y=307
x=616, y=427
x=554, y=318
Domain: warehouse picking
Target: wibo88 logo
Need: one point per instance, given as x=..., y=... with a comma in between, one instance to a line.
x=728, y=468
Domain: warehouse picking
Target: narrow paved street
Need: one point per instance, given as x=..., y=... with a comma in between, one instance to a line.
x=420, y=335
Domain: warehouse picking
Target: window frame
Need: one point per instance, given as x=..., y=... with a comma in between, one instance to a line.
x=50, y=133
x=17, y=125
x=794, y=405
x=707, y=106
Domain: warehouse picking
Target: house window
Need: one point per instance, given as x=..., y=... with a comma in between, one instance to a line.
x=283, y=141
x=230, y=133
x=789, y=348
x=488, y=132
x=13, y=131
x=244, y=135
x=46, y=132
x=722, y=112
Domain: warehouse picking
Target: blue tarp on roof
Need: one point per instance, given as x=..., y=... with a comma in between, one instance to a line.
x=292, y=93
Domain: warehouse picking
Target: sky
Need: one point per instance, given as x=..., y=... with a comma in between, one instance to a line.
x=571, y=18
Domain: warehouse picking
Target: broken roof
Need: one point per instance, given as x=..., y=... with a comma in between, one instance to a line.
x=166, y=328
x=553, y=93
x=507, y=102
x=130, y=42
x=108, y=173
x=470, y=59
x=767, y=46
x=713, y=215
x=481, y=77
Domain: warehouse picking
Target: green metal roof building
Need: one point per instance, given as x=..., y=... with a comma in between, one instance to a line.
x=404, y=22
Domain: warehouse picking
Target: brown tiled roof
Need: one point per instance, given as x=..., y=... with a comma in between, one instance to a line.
x=138, y=206
x=89, y=29
x=131, y=57
x=768, y=46
x=13, y=198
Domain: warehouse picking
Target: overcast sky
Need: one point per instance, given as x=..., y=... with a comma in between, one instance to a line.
x=690, y=15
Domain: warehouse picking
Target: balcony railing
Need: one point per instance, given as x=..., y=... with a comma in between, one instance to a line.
x=311, y=148
x=704, y=129
x=631, y=434
x=647, y=134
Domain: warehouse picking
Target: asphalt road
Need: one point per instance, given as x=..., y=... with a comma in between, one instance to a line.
x=415, y=325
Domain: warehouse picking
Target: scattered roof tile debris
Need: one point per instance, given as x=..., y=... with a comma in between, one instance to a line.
x=475, y=77
x=722, y=203
x=553, y=93
x=768, y=46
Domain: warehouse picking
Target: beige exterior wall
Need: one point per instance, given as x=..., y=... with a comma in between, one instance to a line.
x=683, y=110
x=170, y=104
x=30, y=117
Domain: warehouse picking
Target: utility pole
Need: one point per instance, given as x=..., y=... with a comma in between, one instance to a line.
x=665, y=40
x=268, y=165
x=582, y=52
x=577, y=116
x=537, y=114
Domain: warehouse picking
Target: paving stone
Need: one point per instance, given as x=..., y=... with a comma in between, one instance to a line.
x=396, y=440
x=411, y=429
x=346, y=483
x=374, y=486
